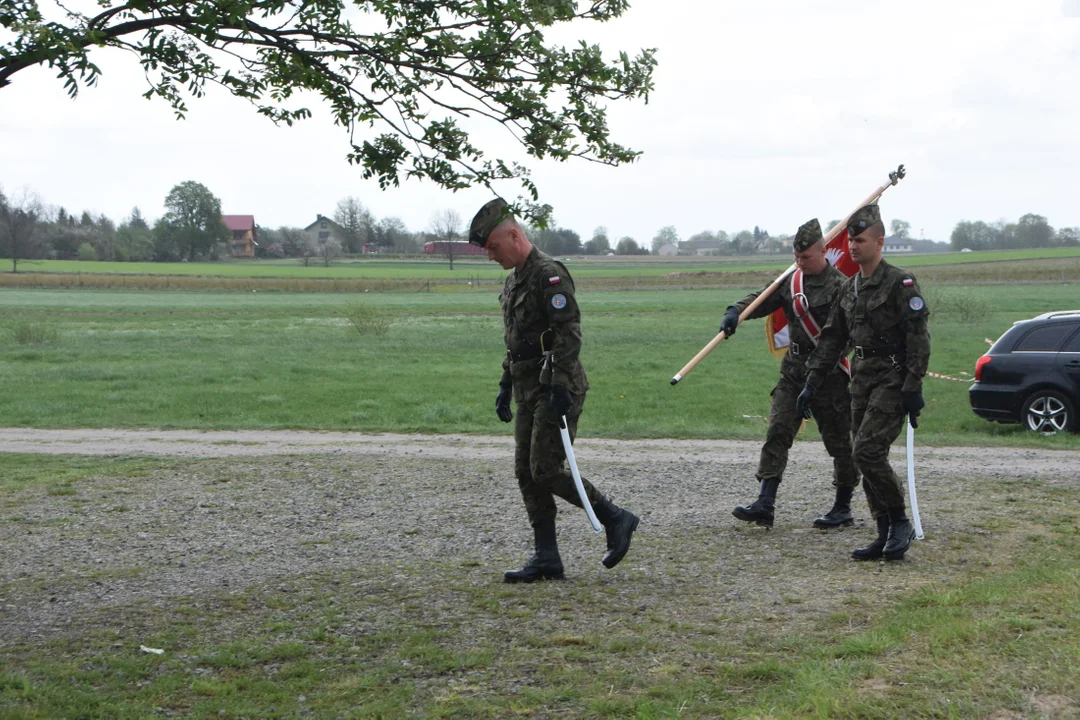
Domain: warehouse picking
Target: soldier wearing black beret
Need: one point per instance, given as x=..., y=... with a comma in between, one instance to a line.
x=881, y=315
x=806, y=299
x=540, y=315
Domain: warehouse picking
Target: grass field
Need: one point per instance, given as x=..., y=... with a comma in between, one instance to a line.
x=231, y=360
x=368, y=586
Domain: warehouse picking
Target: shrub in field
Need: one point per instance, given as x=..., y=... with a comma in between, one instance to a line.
x=367, y=320
x=86, y=251
x=27, y=332
x=958, y=304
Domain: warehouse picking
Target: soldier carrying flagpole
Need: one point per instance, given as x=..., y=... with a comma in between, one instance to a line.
x=805, y=300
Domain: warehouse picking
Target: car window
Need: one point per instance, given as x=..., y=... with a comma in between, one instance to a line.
x=1073, y=345
x=1047, y=338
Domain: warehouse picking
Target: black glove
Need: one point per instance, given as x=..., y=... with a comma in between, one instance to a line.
x=561, y=400
x=913, y=404
x=730, y=321
x=802, y=405
x=502, y=403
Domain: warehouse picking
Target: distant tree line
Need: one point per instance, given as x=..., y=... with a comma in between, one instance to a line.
x=562, y=241
x=1030, y=231
x=758, y=240
x=357, y=231
x=191, y=230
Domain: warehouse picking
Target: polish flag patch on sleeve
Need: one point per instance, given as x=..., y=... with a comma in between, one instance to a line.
x=908, y=282
x=554, y=280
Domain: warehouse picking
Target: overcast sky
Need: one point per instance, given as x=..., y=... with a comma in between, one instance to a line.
x=765, y=113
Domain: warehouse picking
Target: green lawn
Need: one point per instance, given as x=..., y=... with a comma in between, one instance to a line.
x=435, y=268
x=243, y=360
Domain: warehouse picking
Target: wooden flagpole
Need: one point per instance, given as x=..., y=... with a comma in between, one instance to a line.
x=894, y=177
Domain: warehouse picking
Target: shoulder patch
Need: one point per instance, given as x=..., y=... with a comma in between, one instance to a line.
x=916, y=303
x=558, y=301
x=554, y=280
x=908, y=282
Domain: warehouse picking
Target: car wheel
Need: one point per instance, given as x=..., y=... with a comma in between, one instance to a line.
x=1048, y=412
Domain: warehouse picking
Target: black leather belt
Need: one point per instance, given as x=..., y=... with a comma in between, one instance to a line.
x=524, y=354
x=804, y=349
x=879, y=351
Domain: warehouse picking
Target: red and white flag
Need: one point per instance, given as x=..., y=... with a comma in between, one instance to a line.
x=776, y=329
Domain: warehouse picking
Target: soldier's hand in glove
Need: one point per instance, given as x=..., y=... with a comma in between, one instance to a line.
x=561, y=400
x=913, y=404
x=502, y=403
x=802, y=405
x=730, y=321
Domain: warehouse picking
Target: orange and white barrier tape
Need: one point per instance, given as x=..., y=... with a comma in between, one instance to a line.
x=939, y=376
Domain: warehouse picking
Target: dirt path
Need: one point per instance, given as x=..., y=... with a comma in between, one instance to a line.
x=1053, y=466
x=268, y=512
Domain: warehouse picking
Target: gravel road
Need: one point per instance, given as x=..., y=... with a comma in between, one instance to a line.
x=994, y=462
x=253, y=509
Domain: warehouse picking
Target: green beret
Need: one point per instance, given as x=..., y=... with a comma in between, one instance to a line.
x=863, y=218
x=807, y=235
x=489, y=217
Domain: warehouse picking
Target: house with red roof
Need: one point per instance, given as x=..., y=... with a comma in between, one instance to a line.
x=244, y=238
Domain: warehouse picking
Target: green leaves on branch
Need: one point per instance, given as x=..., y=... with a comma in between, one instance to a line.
x=407, y=80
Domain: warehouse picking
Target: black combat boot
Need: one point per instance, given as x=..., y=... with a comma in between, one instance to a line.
x=761, y=511
x=873, y=550
x=545, y=564
x=620, y=525
x=841, y=510
x=901, y=533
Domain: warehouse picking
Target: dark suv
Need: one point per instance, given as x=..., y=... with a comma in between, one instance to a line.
x=1031, y=375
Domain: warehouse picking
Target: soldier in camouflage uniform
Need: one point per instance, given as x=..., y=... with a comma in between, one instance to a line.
x=832, y=406
x=540, y=314
x=882, y=315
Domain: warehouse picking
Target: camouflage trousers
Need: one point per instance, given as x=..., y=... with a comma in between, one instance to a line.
x=539, y=458
x=832, y=412
x=877, y=414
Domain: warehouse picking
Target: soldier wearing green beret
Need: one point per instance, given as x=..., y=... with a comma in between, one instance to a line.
x=806, y=301
x=540, y=314
x=882, y=315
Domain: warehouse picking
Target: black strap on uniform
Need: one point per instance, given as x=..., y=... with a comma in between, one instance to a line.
x=531, y=350
x=866, y=351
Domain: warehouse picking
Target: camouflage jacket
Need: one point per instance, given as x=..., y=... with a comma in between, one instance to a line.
x=821, y=291
x=536, y=298
x=885, y=310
